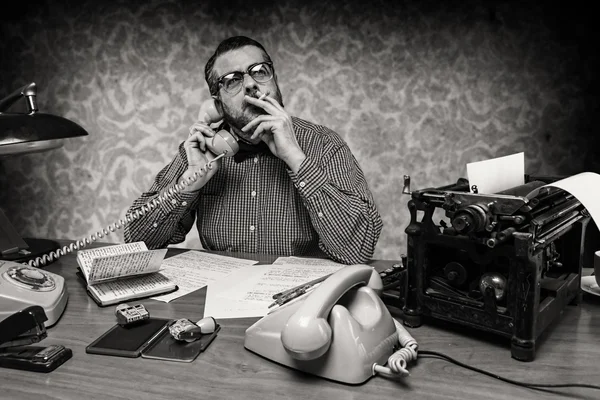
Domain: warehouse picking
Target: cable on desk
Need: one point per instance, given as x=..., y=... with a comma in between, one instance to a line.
x=398, y=361
x=81, y=243
x=425, y=353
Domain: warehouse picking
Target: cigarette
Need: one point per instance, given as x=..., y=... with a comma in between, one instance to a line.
x=261, y=95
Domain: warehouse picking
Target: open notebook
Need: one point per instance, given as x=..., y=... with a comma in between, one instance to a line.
x=118, y=273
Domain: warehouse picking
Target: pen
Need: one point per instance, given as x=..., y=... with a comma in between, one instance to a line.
x=290, y=294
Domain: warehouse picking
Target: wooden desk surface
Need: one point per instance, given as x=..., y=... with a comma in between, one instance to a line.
x=568, y=352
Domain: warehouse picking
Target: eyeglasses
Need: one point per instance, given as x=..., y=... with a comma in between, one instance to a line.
x=232, y=82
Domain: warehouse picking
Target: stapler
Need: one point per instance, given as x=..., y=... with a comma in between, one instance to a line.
x=21, y=329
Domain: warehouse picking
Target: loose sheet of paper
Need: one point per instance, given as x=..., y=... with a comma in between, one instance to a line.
x=585, y=187
x=306, y=261
x=497, y=174
x=249, y=291
x=222, y=307
x=194, y=269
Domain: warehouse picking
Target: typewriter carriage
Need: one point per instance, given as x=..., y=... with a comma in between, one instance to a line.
x=503, y=263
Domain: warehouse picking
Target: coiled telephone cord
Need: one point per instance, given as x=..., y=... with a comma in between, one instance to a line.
x=399, y=360
x=84, y=242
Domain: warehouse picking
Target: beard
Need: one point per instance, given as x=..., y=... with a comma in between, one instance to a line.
x=238, y=118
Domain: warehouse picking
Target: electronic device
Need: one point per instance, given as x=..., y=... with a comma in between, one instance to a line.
x=166, y=347
x=22, y=286
x=340, y=331
x=129, y=315
x=128, y=341
x=21, y=329
x=187, y=331
x=507, y=263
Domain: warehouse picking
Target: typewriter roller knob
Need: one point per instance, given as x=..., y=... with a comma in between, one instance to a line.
x=472, y=218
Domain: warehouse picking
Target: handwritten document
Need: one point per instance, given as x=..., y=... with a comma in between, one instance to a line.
x=130, y=264
x=194, y=269
x=306, y=261
x=248, y=292
x=276, y=279
x=85, y=258
x=497, y=174
x=107, y=292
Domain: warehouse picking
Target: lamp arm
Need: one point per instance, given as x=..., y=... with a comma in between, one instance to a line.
x=29, y=91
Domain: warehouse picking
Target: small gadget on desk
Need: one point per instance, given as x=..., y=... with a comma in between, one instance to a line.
x=340, y=331
x=22, y=286
x=188, y=331
x=184, y=340
x=21, y=329
x=130, y=340
x=129, y=315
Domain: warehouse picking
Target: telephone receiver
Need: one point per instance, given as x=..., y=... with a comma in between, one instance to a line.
x=340, y=331
x=223, y=142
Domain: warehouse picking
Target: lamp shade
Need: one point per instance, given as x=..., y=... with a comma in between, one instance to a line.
x=26, y=133
x=33, y=131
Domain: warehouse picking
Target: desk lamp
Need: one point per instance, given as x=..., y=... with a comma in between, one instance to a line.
x=21, y=133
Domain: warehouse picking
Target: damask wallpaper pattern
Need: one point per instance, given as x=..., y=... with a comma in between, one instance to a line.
x=416, y=88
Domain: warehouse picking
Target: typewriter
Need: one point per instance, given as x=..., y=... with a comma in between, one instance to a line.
x=507, y=263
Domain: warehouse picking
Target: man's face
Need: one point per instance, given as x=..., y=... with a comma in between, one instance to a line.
x=237, y=112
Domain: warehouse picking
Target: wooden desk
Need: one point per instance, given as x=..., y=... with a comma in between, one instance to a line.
x=568, y=353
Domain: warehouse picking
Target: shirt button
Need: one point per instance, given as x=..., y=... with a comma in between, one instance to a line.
x=302, y=184
x=255, y=160
x=155, y=225
x=184, y=203
x=173, y=201
x=320, y=214
x=253, y=193
x=252, y=228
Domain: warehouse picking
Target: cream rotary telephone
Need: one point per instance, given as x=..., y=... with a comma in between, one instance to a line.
x=341, y=331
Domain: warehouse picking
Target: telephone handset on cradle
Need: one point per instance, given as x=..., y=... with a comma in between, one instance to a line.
x=223, y=144
x=341, y=331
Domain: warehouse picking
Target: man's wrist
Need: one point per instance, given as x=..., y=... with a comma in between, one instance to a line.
x=295, y=162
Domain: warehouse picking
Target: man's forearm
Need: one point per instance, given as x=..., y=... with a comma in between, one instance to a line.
x=348, y=227
x=166, y=223
x=341, y=209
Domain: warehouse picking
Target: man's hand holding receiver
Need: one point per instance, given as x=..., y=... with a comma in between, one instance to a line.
x=199, y=156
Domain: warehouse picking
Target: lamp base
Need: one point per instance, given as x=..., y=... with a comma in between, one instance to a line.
x=37, y=248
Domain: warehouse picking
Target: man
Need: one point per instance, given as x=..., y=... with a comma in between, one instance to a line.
x=294, y=188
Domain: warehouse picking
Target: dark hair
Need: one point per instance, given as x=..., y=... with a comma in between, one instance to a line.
x=230, y=44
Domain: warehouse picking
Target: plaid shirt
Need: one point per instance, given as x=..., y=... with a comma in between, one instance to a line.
x=259, y=205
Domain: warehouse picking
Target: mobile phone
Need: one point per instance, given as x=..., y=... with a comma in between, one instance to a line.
x=129, y=340
x=35, y=358
x=165, y=347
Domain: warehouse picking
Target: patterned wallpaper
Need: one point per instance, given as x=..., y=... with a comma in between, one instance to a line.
x=418, y=88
